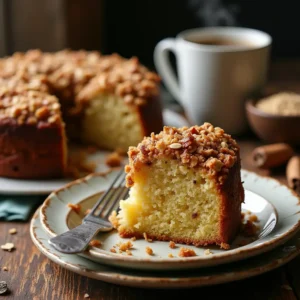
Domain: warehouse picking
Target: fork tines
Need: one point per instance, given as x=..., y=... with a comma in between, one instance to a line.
x=109, y=201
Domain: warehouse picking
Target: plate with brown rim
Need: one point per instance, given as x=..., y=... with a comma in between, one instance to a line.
x=169, y=279
x=275, y=205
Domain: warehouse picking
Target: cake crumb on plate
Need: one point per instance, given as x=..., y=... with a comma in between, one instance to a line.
x=125, y=246
x=95, y=243
x=149, y=250
x=172, y=245
x=207, y=252
x=186, y=252
x=225, y=246
x=113, y=159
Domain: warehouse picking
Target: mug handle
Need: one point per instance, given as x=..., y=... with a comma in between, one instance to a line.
x=162, y=63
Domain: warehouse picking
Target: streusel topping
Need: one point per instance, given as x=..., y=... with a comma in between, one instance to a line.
x=203, y=146
x=127, y=79
x=29, y=107
x=70, y=74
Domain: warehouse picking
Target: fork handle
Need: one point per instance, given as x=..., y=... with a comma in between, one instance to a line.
x=77, y=239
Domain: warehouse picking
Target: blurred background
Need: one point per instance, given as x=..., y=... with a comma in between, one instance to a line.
x=134, y=27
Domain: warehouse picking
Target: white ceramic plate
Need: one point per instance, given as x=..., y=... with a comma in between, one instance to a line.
x=274, y=204
x=44, y=187
x=181, y=279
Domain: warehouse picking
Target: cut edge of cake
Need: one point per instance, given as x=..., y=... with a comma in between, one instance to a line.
x=185, y=186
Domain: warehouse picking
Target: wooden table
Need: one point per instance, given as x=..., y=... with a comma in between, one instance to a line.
x=31, y=275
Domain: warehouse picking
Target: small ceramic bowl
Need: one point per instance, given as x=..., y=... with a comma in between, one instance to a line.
x=273, y=128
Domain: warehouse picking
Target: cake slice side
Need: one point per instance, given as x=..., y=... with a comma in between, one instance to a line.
x=185, y=186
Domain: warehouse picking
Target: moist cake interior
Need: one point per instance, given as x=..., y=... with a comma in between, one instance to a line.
x=174, y=200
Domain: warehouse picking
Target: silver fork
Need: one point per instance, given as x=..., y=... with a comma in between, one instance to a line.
x=77, y=239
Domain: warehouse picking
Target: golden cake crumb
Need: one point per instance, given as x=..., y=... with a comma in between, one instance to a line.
x=5, y=269
x=133, y=238
x=225, y=246
x=186, y=252
x=113, y=250
x=86, y=296
x=207, y=252
x=146, y=237
x=113, y=159
x=128, y=252
x=170, y=255
x=172, y=245
x=125, y=246
x=249, y=229
x=253, y=218
x=113, y=219
x=12, y=231
x=95, y=243
x=75, y=207
x=149, y=250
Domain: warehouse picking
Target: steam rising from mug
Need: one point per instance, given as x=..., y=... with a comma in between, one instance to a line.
x=214, y=12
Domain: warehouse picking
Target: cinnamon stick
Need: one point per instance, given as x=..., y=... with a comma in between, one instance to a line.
x=273, y=155
x=293, y=173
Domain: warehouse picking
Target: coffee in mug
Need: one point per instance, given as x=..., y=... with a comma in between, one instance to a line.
x=218, y=69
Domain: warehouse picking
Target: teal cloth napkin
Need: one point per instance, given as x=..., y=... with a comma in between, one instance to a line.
x=18, y=208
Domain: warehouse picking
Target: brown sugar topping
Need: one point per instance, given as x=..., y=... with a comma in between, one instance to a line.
x=70, y=75
x=28, y=107
x=203, y=146
x=125, y=78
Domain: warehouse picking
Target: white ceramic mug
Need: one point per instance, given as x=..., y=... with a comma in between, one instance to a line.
x=214, y=80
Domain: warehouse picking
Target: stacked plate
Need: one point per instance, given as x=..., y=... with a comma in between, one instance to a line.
x=276, y=207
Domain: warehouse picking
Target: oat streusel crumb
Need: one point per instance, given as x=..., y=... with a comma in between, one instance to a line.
x=253, y=218
x=5, y=269
x=203, y=146
x=86, y=296
x=128, y=252
x=113, y=160
x=125, y=246
x=186, y=252
x=149, y=250
x=133, y=238
x=249, y=229
x=113, y=250
x=172, y=245
x=170, y=255
x=8, y=247
x=207, y=252
x=225, y=246
x=95, y=243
